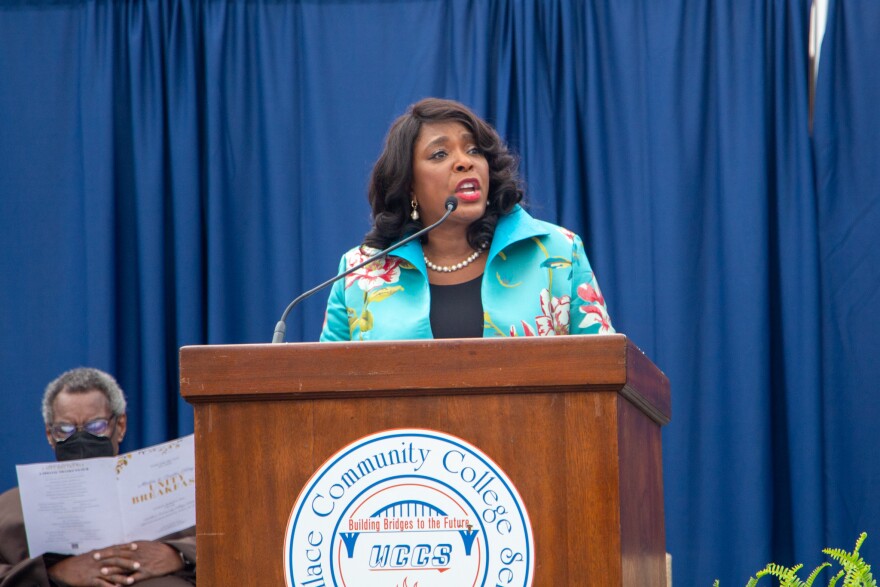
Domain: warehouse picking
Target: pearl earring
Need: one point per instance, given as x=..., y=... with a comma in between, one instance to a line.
x=415, y=210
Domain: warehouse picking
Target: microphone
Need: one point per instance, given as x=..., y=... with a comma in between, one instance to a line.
x=280, y=328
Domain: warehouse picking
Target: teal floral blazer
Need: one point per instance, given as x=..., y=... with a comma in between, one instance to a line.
x=538, y=282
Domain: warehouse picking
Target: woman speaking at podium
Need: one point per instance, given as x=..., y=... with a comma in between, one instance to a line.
x=488, y=269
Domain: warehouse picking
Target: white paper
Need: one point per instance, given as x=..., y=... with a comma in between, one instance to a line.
x=73, y=507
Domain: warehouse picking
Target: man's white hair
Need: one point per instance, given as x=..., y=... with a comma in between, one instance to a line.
x=81, y=380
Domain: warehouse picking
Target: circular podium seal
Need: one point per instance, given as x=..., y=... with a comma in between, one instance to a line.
x=409, y=508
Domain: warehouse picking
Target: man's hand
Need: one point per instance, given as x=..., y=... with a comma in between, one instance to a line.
x=85, y=570
x=154, y=559
x=124, y=564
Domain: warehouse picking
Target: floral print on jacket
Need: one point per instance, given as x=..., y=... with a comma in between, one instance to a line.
x=538, y=282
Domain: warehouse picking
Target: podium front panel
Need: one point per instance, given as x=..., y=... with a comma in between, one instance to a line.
x=585, y=458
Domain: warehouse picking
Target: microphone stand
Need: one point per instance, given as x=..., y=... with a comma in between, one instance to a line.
x=281, y=327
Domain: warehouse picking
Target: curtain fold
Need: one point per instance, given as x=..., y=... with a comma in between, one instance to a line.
x=847, y=151
x=174, y=172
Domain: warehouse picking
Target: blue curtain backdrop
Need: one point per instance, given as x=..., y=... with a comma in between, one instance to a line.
x=173, y=172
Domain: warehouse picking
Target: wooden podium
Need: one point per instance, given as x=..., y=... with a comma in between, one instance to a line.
x=574, y=422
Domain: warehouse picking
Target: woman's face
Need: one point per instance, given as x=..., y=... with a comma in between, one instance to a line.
x=447, y=161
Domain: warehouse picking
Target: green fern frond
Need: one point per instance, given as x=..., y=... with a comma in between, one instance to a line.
x=814, y=574
x=857, y=571
x=839, y=554
x=787, y=576
x=836, y=578
x=859, y=577
x=753, y=581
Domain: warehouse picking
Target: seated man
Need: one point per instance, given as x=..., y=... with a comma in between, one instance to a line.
x=84, y=411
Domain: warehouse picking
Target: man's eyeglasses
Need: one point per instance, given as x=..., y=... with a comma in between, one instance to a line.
x=98, y=427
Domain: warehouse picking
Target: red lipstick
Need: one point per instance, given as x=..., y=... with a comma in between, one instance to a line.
x=468, y=190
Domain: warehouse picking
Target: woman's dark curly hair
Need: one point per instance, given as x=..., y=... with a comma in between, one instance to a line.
x=392, y=176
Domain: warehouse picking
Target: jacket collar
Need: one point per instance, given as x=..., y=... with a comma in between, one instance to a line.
x=516, y=226
x=412, y=252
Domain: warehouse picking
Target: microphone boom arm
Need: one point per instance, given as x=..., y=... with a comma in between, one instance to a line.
x=281, y=327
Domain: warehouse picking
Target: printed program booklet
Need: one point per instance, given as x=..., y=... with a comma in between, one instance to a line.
x=73, y=507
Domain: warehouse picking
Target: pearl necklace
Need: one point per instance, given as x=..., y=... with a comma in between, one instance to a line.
x=450, y=268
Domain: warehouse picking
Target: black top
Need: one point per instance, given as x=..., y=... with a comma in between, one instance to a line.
x=457, y=310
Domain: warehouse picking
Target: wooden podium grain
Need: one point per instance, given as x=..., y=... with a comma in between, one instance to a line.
x=574, y=422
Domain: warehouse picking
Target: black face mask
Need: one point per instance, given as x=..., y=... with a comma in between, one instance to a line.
x=82, y=445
